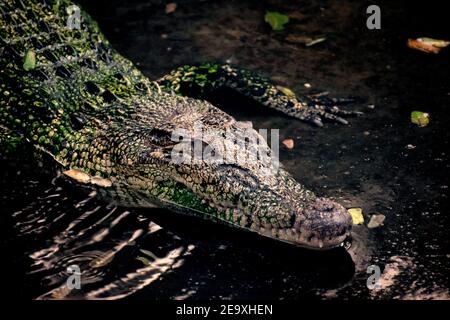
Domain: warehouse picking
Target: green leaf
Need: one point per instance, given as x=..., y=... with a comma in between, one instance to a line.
x=287, y=92
x=144, y=260
x=276, y=20
x=149, y=254
x=29, y=62
x=420, y=118
x=356, y=214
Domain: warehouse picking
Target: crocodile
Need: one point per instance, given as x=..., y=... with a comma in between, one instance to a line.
x=106, y=126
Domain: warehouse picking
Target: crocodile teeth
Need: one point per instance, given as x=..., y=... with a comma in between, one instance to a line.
x=281, y=233
x=290, y=232
x=320, y=244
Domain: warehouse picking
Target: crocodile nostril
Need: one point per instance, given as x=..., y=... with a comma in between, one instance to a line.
x=347, y=243
x=342, y=231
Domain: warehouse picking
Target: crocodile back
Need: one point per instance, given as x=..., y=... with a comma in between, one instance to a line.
x=60, y=80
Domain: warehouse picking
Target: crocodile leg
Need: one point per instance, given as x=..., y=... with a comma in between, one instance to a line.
x=198, y=80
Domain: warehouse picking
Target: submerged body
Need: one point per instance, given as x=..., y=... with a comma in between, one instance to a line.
x=67, y=92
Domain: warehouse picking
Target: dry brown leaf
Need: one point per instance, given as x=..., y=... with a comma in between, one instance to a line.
x=376, y=220
x=423, y=46
x=171, y=7
x=298, y=39
x=297, y=15
x=289, y=143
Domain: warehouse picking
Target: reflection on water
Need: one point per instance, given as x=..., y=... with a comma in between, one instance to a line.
x=49, y=225
x=117, y=251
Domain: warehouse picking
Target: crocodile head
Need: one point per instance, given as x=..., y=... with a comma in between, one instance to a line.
x=225, y=171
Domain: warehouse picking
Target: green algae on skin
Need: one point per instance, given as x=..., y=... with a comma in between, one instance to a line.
x=29, y=62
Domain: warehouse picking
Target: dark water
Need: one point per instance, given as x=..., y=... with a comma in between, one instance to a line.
x=380, y=162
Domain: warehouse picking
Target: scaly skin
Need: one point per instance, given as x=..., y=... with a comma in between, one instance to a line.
x=109, y=127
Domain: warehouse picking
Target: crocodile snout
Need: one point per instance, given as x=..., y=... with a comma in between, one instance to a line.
x=325, y=222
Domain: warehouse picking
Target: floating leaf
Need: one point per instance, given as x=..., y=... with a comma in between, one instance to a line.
x=144, y=260
x=29, y=62
x=356, y=214
x=428, y=45
x=435, y=42
x=149, y=253
x=171, y=7
x=276, y=20
x=376, y=220
x=420, y=118
x=307, y=41
x=422, y=46
x=289, y=143
x=315, y=41
x=287, y=92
